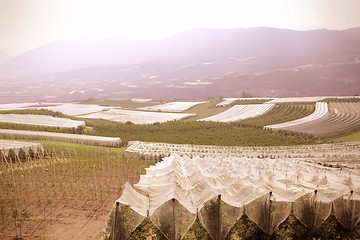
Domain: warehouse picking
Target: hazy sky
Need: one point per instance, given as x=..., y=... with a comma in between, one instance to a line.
x=25, y=24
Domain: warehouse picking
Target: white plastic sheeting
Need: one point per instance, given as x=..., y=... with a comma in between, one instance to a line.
x=65, y=137
x=297, y=100
x=240, y=112
x=172, y=106
x=6, y=146
x=228, y=101
x=321, y=109
x=40, y=120
x=344, y=154
x=75, y=109
x=16, y=106
x=137, y=117
x=328, y=120
x=224, y=188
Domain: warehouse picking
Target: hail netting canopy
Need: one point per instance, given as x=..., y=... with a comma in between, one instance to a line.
x=6, y=146
x=41, y=120
x=220, y=190
x=65, y=137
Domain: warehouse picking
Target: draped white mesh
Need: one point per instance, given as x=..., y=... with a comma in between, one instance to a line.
x=15, y=146
x=221, y=189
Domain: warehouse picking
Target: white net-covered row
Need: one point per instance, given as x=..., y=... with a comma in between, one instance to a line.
x=137, y=117
x=6, y=146
x=41, y=120
x=240, y=112
x=228, y=101
x=75, y=109
x=321, y=109
x=297, y=99
x=172, y=106
x=328, y=120
x=340, y=153
x=65, y=137
x=220, y=190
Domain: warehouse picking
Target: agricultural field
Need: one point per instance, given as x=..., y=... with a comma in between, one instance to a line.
x=66, y=194
x=321, y=109
x=152, y=150
x=63, y=137
x=297, y=100
x=15, y=147
x=352, y=137
x=136, y=117
x=329, y=120
x=240, y=112
x=75, y=109
x=204, y=110
x=281, y=113
x=172, y=106
x=342, y=99
x=40, y=120
x=205, y=133
x=72, y=188
x=121, y=103
x=220, y=184
x=23, y=106
x=228, y=102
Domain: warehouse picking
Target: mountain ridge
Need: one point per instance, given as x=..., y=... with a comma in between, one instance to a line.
x=266, y=62
x=66, y=55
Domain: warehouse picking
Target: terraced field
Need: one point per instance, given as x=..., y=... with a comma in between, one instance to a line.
x=338, y=119
x=240, y=112
x=281, y=113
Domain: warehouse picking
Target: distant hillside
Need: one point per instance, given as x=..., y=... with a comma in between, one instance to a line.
x=274, y=47
x=195, y=63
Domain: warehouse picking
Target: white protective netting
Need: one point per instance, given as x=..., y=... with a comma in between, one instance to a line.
x=64, y=137
x=345, y=154
x=6, y=146
x=41, y=120
x=220, y=190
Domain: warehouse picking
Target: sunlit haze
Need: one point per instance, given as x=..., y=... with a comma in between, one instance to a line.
x=25, y=24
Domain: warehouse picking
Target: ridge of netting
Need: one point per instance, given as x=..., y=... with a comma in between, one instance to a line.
x=180, y=189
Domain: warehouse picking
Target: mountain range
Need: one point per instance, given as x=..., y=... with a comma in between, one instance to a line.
x=198, y=63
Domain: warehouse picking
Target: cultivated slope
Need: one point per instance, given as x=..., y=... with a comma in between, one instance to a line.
x=327, y=121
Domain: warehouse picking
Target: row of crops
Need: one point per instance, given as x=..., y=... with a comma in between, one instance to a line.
x=281, y=113
x=325, y=120
x=328, y=120
x=240, y=112
x=63, y=137
x=40, y=191
x=99, y=188
x=156, y=150
x=172, y=106
x=136, y=117
x=41, y=120
x=229, y=101
x=219, y=191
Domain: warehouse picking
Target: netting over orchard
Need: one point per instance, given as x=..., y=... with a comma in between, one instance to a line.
x=224, y=188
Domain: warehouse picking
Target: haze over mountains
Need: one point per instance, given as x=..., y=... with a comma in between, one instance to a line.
x=3, y=57
x=200, y=63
